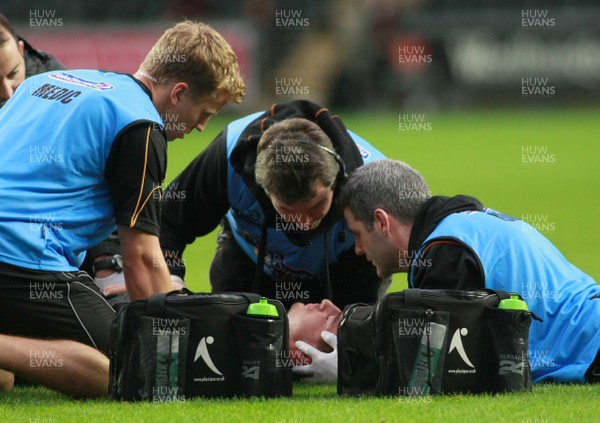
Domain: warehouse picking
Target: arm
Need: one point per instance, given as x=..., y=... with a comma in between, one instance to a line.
x=135, y=170
x=448, y=264
x=194, y=203
x=143, y=264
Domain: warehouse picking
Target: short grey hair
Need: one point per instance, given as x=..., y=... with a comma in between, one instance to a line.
x=390, y=185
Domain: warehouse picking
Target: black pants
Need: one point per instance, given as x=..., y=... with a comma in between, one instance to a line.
x=353, y=278
x=53, y=305
x=593, y=373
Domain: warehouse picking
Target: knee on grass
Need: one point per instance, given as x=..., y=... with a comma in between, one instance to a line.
x=7, y=380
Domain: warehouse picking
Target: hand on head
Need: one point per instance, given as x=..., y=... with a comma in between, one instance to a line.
x=307, y=321
x=313, y=340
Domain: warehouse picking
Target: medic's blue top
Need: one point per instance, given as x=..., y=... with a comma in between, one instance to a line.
x=516, y=257
x=57, y=132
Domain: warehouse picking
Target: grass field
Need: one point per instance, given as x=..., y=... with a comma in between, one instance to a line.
x=318, y=404
x=537, y=165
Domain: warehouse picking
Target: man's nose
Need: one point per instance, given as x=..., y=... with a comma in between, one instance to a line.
x=202, y=124
x=6, y=90
x=329, y=307
x=358, y=249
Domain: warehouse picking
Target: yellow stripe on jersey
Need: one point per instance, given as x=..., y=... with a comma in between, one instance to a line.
x=139, y=208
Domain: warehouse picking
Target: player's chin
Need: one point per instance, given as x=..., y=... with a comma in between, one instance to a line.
x=381, y=272
x=171, y=136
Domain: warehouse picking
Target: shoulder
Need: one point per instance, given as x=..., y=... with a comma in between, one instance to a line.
x=38, y=61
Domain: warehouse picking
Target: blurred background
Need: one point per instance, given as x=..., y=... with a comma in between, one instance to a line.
x=493, y=98
x=430, y=54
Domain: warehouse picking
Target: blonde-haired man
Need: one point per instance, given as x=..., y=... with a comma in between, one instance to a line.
x=198, y=54
x=85, y=151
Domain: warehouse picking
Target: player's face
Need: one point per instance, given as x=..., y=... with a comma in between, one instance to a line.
x=307, y=321
x=193, y=114
x=12, y=68
x=306, y=214
x=374, y=246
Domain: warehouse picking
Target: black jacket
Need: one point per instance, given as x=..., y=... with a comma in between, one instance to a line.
x=448, y=265
x=38, y=61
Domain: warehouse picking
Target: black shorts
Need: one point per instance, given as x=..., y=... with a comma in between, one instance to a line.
x=53, y=305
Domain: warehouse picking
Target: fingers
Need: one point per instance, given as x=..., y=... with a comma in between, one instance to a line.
x=307, y=349
x=330, y=339
x=305, y=370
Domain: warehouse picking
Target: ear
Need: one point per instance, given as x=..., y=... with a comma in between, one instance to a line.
x=177, y=92
x=381, y=221
x=21, y=46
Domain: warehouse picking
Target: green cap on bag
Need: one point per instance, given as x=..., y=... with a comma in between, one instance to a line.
x=514, y=303
x=262, y=308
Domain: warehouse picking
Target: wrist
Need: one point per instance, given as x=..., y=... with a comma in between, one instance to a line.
x=106, y=265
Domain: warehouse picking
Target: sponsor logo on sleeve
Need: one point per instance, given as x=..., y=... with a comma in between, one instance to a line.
x=365, y=154
x=76, y=80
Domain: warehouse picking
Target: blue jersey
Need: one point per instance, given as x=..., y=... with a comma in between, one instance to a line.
x=283, y=257
x=57, y=133
x=515, y=257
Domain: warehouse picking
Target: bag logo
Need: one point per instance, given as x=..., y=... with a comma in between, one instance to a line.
x=251, y=372
x=510, y=366
x=202, y=351
x=456, y=344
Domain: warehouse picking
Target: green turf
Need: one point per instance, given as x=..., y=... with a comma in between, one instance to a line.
x=477, y=153
x=319, y=403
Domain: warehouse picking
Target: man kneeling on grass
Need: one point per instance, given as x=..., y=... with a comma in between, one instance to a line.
x=456, y=243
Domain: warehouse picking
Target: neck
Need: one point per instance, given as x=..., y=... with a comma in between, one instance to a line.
x=147, y=80
x=153, y=86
